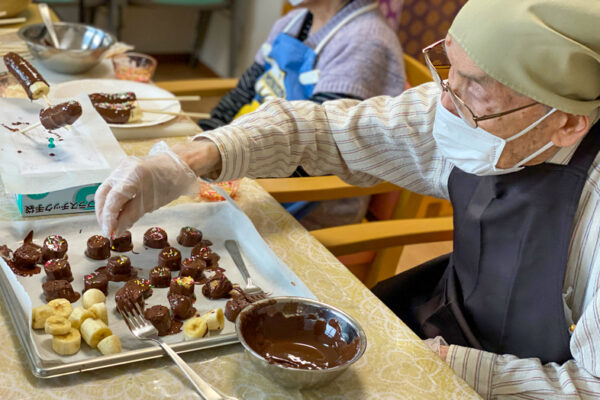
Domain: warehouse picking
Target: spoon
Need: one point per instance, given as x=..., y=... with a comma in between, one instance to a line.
x=45, y=13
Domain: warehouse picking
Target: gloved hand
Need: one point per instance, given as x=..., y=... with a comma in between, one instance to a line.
x=438, y=345
x=141, y=185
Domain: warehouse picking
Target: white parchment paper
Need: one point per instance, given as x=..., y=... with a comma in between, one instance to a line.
x=84, y=154
x=218, y=222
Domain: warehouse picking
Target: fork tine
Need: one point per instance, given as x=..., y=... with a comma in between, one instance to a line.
x=136, y=315
x=125, y=318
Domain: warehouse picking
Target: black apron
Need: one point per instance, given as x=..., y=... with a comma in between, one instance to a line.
x=501, y=288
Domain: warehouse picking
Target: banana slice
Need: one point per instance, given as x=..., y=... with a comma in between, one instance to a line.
x=39, y=89
x=194, y=328
x=79, y=315
x=39, y=316
x=214, y=319
x=93, y=331
x=61, y=307
x=57, y=325
x=67, y=344
x=91, y=297
x=135, y=115
x=110, y=345
x=100, y=312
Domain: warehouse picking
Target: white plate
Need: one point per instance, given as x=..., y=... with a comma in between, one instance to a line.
x=67, y=90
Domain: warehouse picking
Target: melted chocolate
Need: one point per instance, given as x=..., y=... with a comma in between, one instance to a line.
x=128, y=295
x=59, y=289
x=155, y=238
x=169, y=257
x=96, y=280
x=54, y=246
x=121, y=243
x=210, y=257
x=298, y=341
x=217, y=287
x=193, y=266
x=160, y=277
x=122, y=97
x=143, y=284
x=57, y=269
x=114, y=113
x=27, y=256
x=11, y=129
x=189, y=237
x=183, y=286
x=23, y=71
x=62, y=114
x=181, y=306
x=160, y=317
x=98, y=248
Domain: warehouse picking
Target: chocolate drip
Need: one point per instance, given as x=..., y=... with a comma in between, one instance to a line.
x=60, y=115
x=23, y=71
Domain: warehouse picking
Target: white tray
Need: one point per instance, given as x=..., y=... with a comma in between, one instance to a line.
x=218, y=222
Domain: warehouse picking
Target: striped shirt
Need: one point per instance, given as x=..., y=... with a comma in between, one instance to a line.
x=390, y=138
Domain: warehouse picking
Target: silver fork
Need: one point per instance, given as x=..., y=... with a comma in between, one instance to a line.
x=252, y=292
x=144, y=330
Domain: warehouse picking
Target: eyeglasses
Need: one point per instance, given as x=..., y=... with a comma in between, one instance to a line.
x=439, y=66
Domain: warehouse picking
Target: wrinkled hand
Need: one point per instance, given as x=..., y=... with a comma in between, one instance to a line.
x=141, y=185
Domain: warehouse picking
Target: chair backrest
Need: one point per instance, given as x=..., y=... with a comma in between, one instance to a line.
x=424, y=22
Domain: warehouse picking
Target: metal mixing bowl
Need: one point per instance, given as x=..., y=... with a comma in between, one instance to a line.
x=81, y=46
x=294, y=377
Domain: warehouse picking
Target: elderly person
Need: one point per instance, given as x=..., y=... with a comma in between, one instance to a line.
x=511, y=138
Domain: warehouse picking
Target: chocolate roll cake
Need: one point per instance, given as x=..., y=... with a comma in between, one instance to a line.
x=121, y=243
x=155, y=238
x=160, y=317
x=57, y=269
x=181, y=306
x=210, y=257
x=60, y=115
x=183, y=286
x=189, y=237
x=169, y=257
x=59, y=289
x=118, y=269
x=54, y=246
x=98, y=248
x=160, y=277
x=96, y=280
x=129, y=295
x=193, y=266
x=27, y=256
x=144, y=285
x=217, y=287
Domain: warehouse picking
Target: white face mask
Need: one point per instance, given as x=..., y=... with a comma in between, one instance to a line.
x=475, y=150
x=295, y=2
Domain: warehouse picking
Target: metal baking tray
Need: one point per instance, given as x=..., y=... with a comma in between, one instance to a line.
x=218, y=221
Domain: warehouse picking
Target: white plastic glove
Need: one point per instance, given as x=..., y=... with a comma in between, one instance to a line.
x=141, y=185
x=435, y=343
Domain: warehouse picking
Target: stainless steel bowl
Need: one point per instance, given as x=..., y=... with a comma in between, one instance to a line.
x=296, y=378
x=81, y=46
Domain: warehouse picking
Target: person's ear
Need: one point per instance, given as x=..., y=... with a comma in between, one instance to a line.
x=571, y=128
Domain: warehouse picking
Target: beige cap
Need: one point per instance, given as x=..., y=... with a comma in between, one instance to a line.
x=548, y=50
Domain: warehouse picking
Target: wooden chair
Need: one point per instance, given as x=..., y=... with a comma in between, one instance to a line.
x=410, y=218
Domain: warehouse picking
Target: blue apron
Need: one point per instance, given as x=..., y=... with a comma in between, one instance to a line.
x=290, y=74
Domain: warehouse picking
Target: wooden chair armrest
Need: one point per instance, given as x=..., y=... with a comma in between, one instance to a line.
x=378, y=235
x=316, y=188
x=202, y=87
